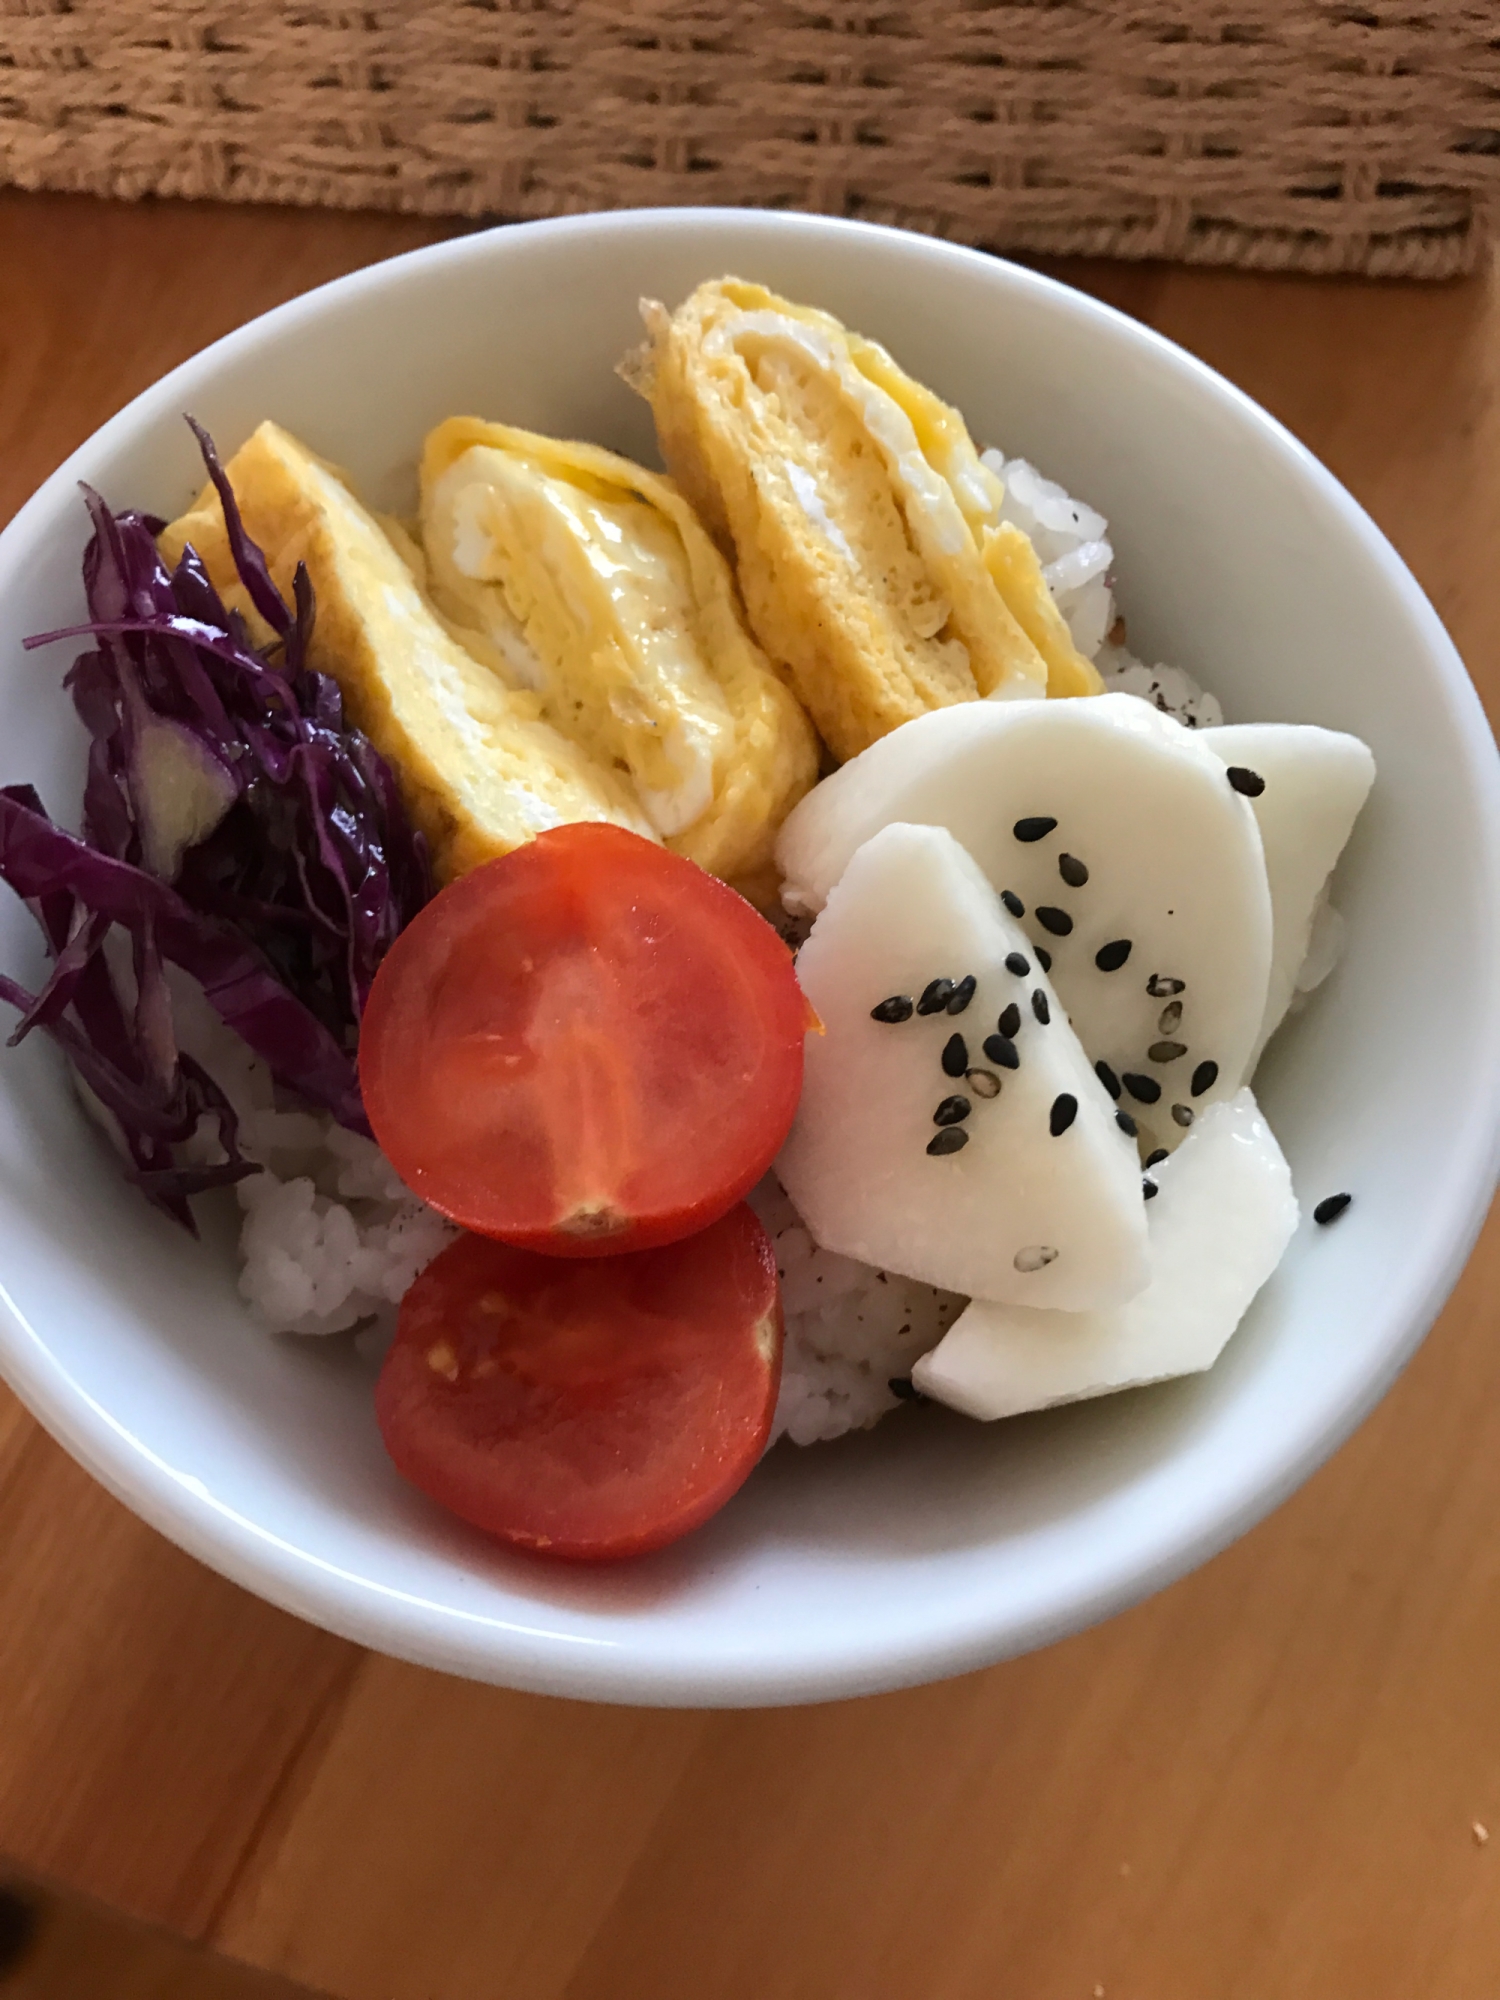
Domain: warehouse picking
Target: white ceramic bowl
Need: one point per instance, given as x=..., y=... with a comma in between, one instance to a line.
x=931, y=1545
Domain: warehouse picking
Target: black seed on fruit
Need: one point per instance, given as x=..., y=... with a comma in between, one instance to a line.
x=1107, y=1077
x=898, y=1008
x=1033, y=829
x=1034, y=1257
x=1009, y=1022
x=1144, y=1089
x=962, y=994
x=952, y=1139
x=1162, y=988
x=952, y=1111
x=1182, y=1114
x=1072, y=870
x=1110, y=957
x=1064, y=1111
x=1044, y=959
x=1170, y=1018
x=1018, y=963
x=1002, y=1050
x=1039, y=1006
x=955, y=1057
x=935, y=996
x=1149, y=1188
x=1205, y=1076
x=1126, y=1124
x=983, y=1082
x=1165, y=1052
x=1251, y=783
x=1331, y=1207
x=1054, y=920
x=1155, y=1159
x=1013, y=902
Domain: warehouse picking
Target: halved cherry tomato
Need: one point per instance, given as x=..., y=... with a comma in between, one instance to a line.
x=585, y=1047
x=592, y=1409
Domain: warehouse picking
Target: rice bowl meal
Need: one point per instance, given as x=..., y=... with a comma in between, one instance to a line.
x=674, y=962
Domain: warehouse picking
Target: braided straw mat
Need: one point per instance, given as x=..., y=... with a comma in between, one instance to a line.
x=1273, y=133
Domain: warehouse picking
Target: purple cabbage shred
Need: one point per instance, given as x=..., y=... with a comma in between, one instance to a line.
x=234, y=825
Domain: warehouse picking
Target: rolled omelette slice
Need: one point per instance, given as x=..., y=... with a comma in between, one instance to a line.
x=480, y=770
x=864, y=526
x=589, y=581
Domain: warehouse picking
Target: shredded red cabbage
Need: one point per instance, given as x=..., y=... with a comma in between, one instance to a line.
x=234, y=824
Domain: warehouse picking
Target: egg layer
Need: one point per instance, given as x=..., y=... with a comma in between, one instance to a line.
x=588, y=582
x=864, y=527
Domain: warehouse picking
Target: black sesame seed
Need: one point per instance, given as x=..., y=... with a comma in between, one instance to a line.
x=1126, y=1124
x=1072, y=870
x=1205, y=1076
x=955, y=1058
x=962, y=994
x=1110, y=957
x=1251, y=783
x=897, y=1008
x=1054, y=920
x=1170, y=1018
x=983, y=1082
x=1148, y=1189
x=1018, y=963
x=1064, y=1111
x=1107, y=1077
x=952, y=1139
x=1044, y=959
x=1039, y=1006
x=1182, y=1115
x=1013, y=902
x=1144, y=1089
x=1331, y=1207
x=905, y=1390
x=935, y=996
x=952, y=1111
x=1034, y=1257
x=1033, y=829
x=1162, y=988
x=1002, y=1050
x=1155, y=1159
x=1009, y=1022
x=1165, y=1052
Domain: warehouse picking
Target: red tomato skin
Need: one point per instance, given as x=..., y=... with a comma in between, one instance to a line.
x=586, y=1047
x=587, y=1411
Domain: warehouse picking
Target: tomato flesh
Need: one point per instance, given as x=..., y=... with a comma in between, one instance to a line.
x=585, y=1047
x=587, y=1409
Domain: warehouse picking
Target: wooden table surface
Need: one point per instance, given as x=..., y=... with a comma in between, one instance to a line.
x=1270, y=1783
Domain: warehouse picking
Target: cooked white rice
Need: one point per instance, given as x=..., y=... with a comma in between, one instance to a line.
x=331, y=1239
x=851, y=1331
x=1077, y=558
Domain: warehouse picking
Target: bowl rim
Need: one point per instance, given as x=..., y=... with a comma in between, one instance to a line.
x=527, y=1654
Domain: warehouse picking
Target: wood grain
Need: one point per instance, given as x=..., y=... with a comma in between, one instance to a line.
x=1262, y=1785
x=15, y=1429
x=97, y=299
x=150, y=1709
x=81, y=1952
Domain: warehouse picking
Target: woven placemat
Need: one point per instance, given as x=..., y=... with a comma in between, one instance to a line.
x=1272, y=133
